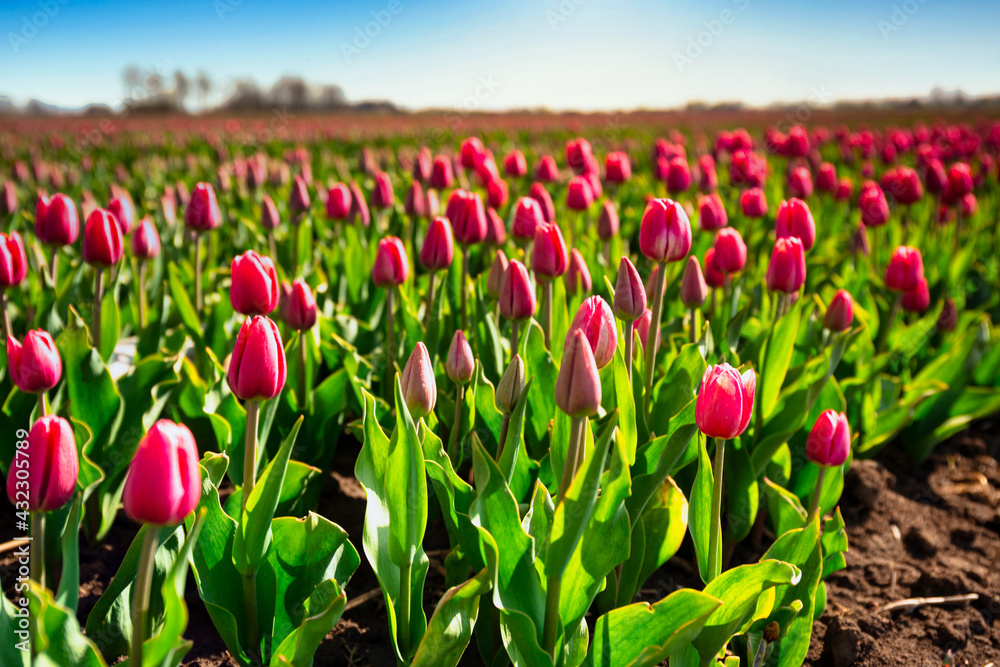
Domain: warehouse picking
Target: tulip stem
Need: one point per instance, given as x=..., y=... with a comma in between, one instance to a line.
x=390, y=334
x=43, y=409
x=551, y=628
x=37, y=565
x=430, y=301
x=140, y=599
x=142, y=294
x=303, y=361
x=758, y=407
x=629, y=348
x=249, y=478
x=653, y=337
x=515, y=330
x=883, y=328
x=271, y=246
x=958, y=228
x=714, y=554
x=6, y=315
x=98, y=297
x=464, y=287
x=547, y=311
x=574, y=456
x=197, y=273
x=504, y=427
x=55, y=268
x=403, y=634
x=455, y=438
x=694, y=324
x=814, y=506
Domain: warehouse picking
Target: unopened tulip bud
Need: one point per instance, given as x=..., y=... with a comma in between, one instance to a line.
x=918, y=299
x=577, y=274
x=146, y=240
x=439, y=247
x=753, y=203
x=51, y=465
x=527, y=217
x=56, y=220
x=417, y=383
x=13, y=260
x=494, y=280
x=496, y=232
x=859, y=240
x=496, y=192
x=472, y=150
x=460, y=364
x=269, y=218
x=579, y=196
x=298, y=198
x=511, y=386
x=102, y=239
x=786, y=272
x=906, y=268
x=34, y=365
x=826, y=179
x=795, y=219
x=630, y=294
x=257, y=366
x=840, y=313
x=299, y=309
x=665, y=231
x=617, y=168
x=391, y=266
x=578, y=386
x=800, y=183
x=642, y=327
x=873, y=205
x=8, y=198
x=415, y=205
x=725, y=401
x=608, y=223
x=968, y=204
x=202, y=212
x=711, y=213
x=121, y=209
x=549, y=257
x=694, y=290
x=546, y=169
x=845, y=189
x=595, y=320
x=678, y=175
x=469, y=223
x=338, y=202
x=730, y=251
x=829, y=442
x=254, y=286
x=959, y=180
x=383, y=195
x=441, y=173
x=517, y=294
x=164, y=479
x=544, y=199
x=948, y=319
x=514, y=165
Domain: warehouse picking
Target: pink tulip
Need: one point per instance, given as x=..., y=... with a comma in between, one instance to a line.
x=527, y=217
x=338, y=202
x=711, y=213
x=786, y=272
x=517, y=294
x=905, y=269
x=725, y=401
x=608, y=222
x=438, y=249
x=730, y=251
x=694, y=290
x=102, y=239
x=56, y=221
x=630, y=294
x=146, y=240
x=549, y=257
x=577, y=274
x=595, y=319
x=460, y=364
x=391, y=267
x=665, y=232
x=49, y=468
x=13, y=260
x=840, y=313
x=578, y=386
x=202, y=212
x=257, y=367
x=417, y=383
x=299, y=308
x=829, y=442
x=164, y=480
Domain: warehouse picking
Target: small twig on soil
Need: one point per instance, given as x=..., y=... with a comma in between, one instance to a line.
x=912, y=603
x=363, y=598
x=13, y=544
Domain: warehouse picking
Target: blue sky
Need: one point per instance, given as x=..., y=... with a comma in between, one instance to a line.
x=563, y=54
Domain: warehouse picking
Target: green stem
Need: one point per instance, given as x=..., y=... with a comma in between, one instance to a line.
x=714, y=555
x=504, y=427
x=814, y=506
x=629, y=345
x=551, y=629
x=140, y=600
x=295, y=247
x=758, y=407
x=694, y=324
x=271, y=246
x=98, y=297
x=403, y=626
x=547, y=312
x=430, y=301
x=249, y=478
x=303, y=360
x=37, y=565
x=55, y=267
x=6, y=315
x=573, y=456
x=464, y=287
x=197, y=273
x=390, y=335
x=883, y=329
x=514, y=333
x=652, y=339
x=43, y=408
x=454, y=438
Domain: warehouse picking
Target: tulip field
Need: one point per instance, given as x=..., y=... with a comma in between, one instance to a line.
x=521, y=394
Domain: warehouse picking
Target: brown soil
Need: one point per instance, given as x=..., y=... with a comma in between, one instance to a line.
x=914, y=532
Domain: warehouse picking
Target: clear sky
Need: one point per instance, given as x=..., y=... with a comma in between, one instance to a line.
x=562, y=54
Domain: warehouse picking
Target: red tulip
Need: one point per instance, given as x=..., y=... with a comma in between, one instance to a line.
x=797, y=142
x=164, y=480
x=382, y=196
x=935, y=176
x=56, y=220
x=34, y=365
x=439, y=248
x=630, y=294
x=693, y=287
x=918, y=299
x=13, y=260
x=470, y=220
x=460, y=365
x=359, y=207
x=577, y=274
x=338, y=202
x=725, y=401
x=121, y=209
x=269, y=218
x=795, y=219
x=546, y=169
x=8, y=200
x=905, y=269
x=517, y=294
x=826, y=178
x=959, y=180
x=441, y=173
x=50, y=468
x=146, y=240
x=472, y=151
x=417, y=383
x=617, y=168
x=665, y=232
x=257, y=366
x=496, y=232
x=497, y=270
x=948, y=319
x=711, y=213
x=254, y=288
x=906, y=187
x=840, y=313
x=202, y=212
x=496, y=192
x=714, y=276
x=730, y=251
x=709, y=181
x=642, y=326
x=578, y=386
x=514, y=165
x=873, y=205
x=595, y=319
x=527, y=217
x=544, y=199
x=800, y=183
x=299, y=308
x=422, y=165
x=298, y=198
x=549, y=257
x=786, y=271
x=753, y=203
x=829, y=442
x=102, y=239
x=391, y=267
x=678, y=175
x=968, y=204
x=579, y=196
x=845, y=189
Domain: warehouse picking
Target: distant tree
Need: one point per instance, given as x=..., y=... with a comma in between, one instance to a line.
x=131, y=78
x=182, y=86
x=154, y=84
x=204, y=88
x=247, y=96
x=290, y=93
